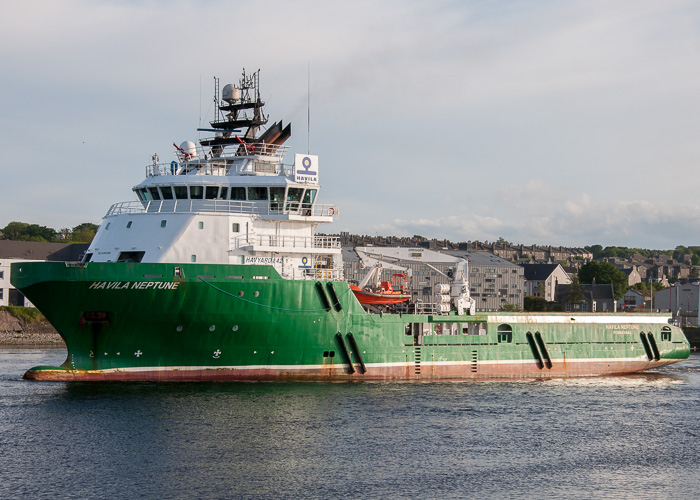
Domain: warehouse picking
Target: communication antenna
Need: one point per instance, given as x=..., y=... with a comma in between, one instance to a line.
x=200, y=106
x=308, y=109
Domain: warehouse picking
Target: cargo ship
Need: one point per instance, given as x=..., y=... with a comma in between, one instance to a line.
x=218, y=272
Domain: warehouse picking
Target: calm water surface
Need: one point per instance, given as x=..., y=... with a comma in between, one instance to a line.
x=611, y=437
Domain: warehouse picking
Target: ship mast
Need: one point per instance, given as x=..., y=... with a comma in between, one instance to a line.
x=239, y=116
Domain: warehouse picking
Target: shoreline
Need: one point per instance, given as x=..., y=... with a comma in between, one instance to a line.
x=15, y=332
x=31, y=339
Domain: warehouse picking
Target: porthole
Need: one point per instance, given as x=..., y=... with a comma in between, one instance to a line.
x=240, y=294
x=256, y=294
x=234, y=328
x=179, y=328
x=212, y=328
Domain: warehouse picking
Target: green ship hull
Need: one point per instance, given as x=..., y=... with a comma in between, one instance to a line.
x=185, y=322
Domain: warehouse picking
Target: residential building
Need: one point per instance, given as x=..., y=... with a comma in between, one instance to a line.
x=541, y=280
x=596, y=298
x=634, y=300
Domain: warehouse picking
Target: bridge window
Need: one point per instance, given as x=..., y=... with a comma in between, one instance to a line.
x=257, y=193
x=166, y=192
x=237, y=193
x=276, y=198
x=294, y=194
x=211, y=192
x=224, y=193
x=196, y=192
x=309, y=196
x=505, y=333
x=154, y=193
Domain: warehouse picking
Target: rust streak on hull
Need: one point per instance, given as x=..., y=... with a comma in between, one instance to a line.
x=436, y=371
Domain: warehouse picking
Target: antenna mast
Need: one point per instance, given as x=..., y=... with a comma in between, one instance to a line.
x=308, y=109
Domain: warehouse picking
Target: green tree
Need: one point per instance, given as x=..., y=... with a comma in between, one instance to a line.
x=575, y=293
x=531, y=303
x=646, y=287
x=35, y=232
x=595, y=250
x=680, y=251
x=28, y=232
x=14, y=230
x=604, y=273
x=84, y=233
x=510, y=307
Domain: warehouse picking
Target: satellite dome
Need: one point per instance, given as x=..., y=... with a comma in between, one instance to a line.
x=189, y=148
x=230, y=93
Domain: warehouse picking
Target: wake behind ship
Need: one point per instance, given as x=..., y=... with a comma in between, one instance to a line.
x=217, y=273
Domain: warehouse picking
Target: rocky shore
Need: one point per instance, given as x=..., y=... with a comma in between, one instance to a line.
x=15, y=332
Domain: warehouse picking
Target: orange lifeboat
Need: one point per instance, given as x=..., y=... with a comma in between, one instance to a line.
x=389, y=292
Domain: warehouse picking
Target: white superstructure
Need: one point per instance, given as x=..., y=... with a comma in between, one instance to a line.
x=229, y=200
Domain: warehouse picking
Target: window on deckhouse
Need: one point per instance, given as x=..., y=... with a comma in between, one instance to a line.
x=257, y=193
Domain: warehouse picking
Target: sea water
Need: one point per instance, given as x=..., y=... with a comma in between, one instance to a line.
x=633, y=436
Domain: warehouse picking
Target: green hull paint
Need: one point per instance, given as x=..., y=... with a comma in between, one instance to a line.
x=142, y=321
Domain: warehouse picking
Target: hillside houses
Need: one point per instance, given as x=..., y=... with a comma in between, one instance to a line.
x=659, y=268
x=524, y=254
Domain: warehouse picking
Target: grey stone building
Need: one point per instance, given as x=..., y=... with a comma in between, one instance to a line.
x=596, y=298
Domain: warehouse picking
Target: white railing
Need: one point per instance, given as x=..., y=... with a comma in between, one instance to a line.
x=253, y=158
x=324, y=274
x=264, y=240
x=334, y=274
x=260, y=208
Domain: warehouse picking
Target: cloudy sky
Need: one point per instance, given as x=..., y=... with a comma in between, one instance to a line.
x=566, y=122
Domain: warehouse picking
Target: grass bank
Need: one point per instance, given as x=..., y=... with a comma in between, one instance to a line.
x=27, y=315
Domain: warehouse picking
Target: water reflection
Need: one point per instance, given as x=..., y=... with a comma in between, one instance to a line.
x=603, y=436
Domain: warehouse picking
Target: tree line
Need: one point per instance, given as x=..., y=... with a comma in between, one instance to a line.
x=23, y=231
x=678, y=253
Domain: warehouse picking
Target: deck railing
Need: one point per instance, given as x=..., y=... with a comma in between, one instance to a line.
x=265, y=240
x=258, y=158
x=260, y=208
